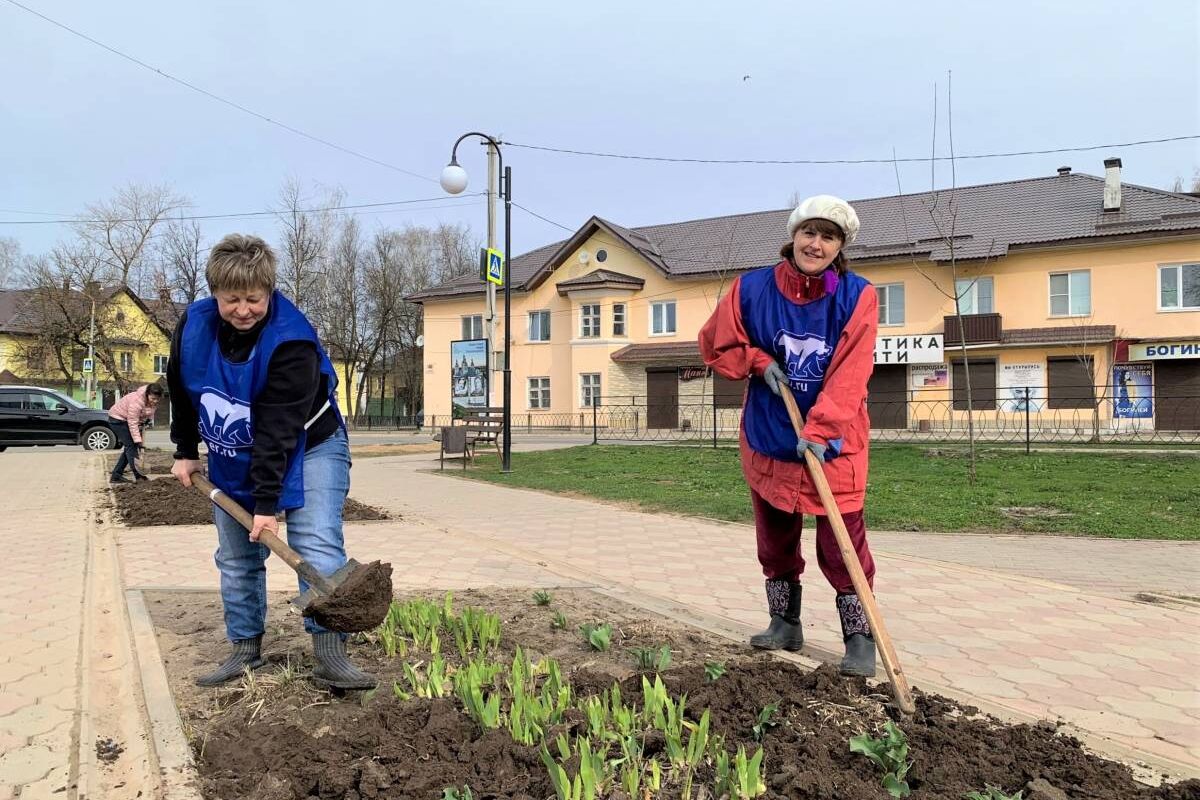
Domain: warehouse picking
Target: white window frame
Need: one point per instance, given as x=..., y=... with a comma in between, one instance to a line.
x=469, y=319
x=971, y=295
x=1050, y=294
x=620, y=314
x=160, y=360
x=884, y=291
x=589, y=389
x=549, y=326
x=1178, y=269
x=125, y=361
x=664, y=303
x=592, y=330
x=543, y=392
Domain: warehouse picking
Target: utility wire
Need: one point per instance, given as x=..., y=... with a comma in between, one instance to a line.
x=218, y=98
x=778, y=161
x=270, y=213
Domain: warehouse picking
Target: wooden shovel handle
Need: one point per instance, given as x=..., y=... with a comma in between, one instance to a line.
x=891, y=663
x=273, y=542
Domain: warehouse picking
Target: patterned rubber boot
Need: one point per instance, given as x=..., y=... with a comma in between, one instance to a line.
x=784, y=631
x=334, y=670
x=246, y=655
x=859, y=660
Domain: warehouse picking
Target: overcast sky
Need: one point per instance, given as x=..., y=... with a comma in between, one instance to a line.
x=399, y=81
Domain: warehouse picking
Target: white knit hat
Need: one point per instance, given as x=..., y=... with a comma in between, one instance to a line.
x=826, y=206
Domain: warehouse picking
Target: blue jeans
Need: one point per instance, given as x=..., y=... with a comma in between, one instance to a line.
x=129, y=453
x=314, y=531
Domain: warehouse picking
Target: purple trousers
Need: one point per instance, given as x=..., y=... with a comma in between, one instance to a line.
x=779, y=545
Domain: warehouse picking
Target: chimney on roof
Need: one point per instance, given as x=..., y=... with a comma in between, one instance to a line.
x=1064, y=170
x=1112, y=184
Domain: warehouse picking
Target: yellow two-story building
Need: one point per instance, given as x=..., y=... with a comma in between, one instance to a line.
x=1079, y=300
x=44, y=335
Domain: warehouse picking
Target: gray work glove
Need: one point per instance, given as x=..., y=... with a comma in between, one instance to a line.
x=775, y=378
x=805, y=444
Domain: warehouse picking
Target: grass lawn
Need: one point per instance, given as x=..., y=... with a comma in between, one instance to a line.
x=1128, y=496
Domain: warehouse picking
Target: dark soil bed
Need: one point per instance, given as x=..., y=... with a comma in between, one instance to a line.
x=165, y=501
x=275, y=736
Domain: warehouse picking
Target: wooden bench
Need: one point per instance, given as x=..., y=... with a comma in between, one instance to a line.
x=484, y=426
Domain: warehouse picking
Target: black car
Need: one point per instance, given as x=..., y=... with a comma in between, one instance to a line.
x=31, y=415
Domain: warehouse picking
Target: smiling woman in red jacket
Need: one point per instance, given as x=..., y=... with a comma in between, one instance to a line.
x=806, y=326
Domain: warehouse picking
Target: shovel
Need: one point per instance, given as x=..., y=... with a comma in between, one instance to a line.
x=354, y=598
x=887, y=653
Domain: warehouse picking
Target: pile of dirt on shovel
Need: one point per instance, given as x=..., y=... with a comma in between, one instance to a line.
x=165, y=501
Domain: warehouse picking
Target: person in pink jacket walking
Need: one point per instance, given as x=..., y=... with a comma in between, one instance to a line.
x=126, y=418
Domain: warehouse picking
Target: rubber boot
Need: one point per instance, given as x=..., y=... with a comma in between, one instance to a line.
x=334, y=670
x=246, y=655
x=784, y=631
x=859, y=660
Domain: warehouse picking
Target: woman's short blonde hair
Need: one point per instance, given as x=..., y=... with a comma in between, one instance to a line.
x=240, y=263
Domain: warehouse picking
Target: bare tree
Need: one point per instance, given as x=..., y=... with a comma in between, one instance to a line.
x=342, y=307
x=1195, y=183
x=944, y=219
x=121, y=230
x=10, y=260
x=182, y=260
x=456, y=252
x=308, y=225
x=68, y=307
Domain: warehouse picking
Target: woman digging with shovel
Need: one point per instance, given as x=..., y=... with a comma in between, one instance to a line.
x=805, y=326
x=248, y=375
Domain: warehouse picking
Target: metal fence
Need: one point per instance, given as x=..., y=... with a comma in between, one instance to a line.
x=1027, y=416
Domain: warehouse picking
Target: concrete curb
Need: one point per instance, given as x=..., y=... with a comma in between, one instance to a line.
x=177, y=771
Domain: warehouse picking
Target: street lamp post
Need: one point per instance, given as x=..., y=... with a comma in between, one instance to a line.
x=454, y=180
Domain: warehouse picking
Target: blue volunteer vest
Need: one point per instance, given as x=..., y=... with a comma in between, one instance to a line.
x=223, y=393
x=802, y=338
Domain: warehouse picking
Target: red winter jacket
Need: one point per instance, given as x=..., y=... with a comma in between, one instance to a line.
x=841, y=407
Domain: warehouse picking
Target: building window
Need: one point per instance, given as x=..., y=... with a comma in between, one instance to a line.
x=1070, y=380
x=1071, y=293
x=125, y=361
x=589, y=389
x=1179, y=287
x=983, y=384
x=37, y=359
x=539, y=326
x=539, y=392
x=891, y=304
x=974, y=295
x=589, y=320
x=662, y=318
x=160, y=365
x=472, y=327
x=618, y=319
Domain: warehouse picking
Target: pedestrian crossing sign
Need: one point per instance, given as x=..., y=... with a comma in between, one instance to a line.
x=495, y=267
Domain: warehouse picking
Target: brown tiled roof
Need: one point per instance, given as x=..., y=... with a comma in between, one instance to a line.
x=990, y=220
x=1063, y=334
x=635, y=353
x=20, y=312
x=600, y=278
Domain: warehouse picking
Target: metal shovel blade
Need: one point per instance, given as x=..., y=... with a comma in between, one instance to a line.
x=303, y=601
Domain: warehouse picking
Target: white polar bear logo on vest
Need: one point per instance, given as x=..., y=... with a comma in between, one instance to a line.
x=224, y=421
x=805, y=355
